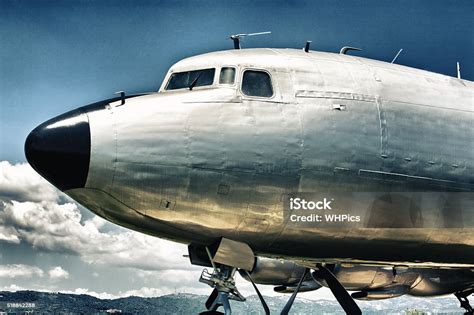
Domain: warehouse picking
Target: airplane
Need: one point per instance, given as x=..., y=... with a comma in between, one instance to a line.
x=296, y=168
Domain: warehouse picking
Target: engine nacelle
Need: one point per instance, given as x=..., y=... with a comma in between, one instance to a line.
x=275, y=271
x=307, y=285
x=355, y=277
x=382, y=293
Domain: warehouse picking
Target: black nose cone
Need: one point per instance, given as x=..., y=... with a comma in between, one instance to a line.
x=59, y=150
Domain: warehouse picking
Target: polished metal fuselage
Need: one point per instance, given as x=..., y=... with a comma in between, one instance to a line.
x=194, y=166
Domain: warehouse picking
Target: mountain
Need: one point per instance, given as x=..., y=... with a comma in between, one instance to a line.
x=32, y=302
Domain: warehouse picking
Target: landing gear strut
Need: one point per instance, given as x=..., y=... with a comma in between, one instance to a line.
x=222, y=280
x=462, y=297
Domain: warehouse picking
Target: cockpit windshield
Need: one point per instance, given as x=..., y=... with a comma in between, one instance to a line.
x=191, y=79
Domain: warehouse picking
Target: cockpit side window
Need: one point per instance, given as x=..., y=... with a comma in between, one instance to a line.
x=227, y=75
x=257, y=83
x=181, y=80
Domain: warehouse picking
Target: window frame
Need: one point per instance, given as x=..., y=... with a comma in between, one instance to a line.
x=236, y=75
x=196, y=87
x=257, y=70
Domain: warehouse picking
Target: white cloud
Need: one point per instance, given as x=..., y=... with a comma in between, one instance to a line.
x=7, y=235
x=12, y=288
x=100, y=295
x=20, y=270
x=20, y=182
x=58, y=273
x=28, y=271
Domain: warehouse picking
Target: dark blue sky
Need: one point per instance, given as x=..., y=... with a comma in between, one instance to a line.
x=58, y=55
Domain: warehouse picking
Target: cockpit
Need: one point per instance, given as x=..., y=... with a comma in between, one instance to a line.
x=252, y=82
x=191, y=79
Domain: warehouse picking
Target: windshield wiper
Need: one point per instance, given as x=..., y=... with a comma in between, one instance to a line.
x=191, y=86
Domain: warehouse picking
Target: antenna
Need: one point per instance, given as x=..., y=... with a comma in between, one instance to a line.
x=345, y=49
x=459, y=70
x=236, y=37
x=122, y=96
x=396, y=56
x=306, y=47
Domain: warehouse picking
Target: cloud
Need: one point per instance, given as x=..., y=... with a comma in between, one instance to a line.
x=12, y=288
x=7, y=235
x=45, y=225
x=28, y=271
x=100, y=295
x=20, y=270
x=58, y=273
x=21, y=183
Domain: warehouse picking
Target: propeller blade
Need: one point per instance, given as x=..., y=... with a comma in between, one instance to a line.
x=210, y=303
x=340, y=293
x=288, y=305
x=262, y=300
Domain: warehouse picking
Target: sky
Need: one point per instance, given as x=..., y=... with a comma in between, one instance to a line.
x=59, y=55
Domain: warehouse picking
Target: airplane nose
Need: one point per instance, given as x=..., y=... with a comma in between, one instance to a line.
x=59, y=149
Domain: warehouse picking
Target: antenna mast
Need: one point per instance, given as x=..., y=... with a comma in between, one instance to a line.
x=236, y=37
x=396, y=56
x=345, y=49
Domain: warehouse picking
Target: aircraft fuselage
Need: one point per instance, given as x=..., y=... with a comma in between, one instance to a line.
x=391, y=145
